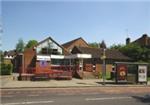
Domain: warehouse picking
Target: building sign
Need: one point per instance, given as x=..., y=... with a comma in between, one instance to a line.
x=121, y=72
x=142, y=73
x=43, y=58
x=43, y=63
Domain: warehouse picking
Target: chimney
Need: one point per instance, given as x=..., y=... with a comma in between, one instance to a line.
x=127, y=41
x=145, y=35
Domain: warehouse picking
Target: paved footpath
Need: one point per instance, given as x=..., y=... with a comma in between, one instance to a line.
x=79, y=90
x=8, y=83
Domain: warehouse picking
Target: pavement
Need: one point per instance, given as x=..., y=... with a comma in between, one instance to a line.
x=9, y=82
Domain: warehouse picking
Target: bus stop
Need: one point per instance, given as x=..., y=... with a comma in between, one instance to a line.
x=129, y=72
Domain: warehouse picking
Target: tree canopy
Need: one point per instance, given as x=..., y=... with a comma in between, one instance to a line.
x=97, y=45
x=31, y=43
x=20, y=45
x=94, y=44
x=1, y=56
x=134, y=51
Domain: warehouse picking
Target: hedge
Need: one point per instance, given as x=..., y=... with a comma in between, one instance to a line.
x=6, y=69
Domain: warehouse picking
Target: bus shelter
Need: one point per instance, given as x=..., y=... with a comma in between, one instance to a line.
x=129, y=72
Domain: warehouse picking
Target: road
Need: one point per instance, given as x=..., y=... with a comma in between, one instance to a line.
x=76, y=96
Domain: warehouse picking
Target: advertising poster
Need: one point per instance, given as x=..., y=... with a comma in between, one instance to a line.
x=122, y=72
x=142, y=73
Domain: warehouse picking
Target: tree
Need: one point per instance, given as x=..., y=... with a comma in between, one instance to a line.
x=31, y=43
x=132, y=50
x=103, y=45
x=94, y=44
x=1, y=56
x=20, y=46
x=117, y=47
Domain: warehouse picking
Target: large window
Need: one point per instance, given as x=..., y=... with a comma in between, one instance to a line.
x=60, y=62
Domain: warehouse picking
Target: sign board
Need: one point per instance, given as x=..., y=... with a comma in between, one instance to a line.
x=142, y=73
x=43, y=58
x=121, y=72
x=43, y=63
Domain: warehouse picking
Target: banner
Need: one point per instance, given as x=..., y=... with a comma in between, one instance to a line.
x=142, y=73
x=121, y=72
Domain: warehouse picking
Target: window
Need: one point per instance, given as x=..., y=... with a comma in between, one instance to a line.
x=48, y=48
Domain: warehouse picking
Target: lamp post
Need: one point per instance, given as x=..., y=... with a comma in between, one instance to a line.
x=104, y=66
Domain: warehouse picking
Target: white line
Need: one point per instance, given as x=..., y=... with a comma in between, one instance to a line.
x=27, y=103
x=106, y=98
x=66, y=94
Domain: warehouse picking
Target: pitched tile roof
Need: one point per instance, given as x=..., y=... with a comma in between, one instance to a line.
x=144, y=40
x=10, y=53
x=67, y=44
x=97, y=53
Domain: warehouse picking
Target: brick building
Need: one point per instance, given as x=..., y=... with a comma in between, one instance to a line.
x=74, y=58
x=144, y=41
x=46, y=59
x=92, y=67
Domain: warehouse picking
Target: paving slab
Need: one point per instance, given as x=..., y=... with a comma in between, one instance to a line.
x=9, y=82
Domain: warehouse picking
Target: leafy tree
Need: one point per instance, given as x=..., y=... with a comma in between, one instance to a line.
x=1, y=56
x=132, y=50
x=117, y=47
x=94, y=44
x=103, y=45
x=145, y=54
x=31, y=43
x=20, y=46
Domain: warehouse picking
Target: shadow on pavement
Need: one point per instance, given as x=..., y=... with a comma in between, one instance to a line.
x=144, y=99
x=114, y=83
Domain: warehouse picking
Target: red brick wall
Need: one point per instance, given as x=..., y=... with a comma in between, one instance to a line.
x=42, y=69
x=88, y=67
x=29, y=59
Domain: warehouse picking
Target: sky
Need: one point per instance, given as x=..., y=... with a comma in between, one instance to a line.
x=94, y=21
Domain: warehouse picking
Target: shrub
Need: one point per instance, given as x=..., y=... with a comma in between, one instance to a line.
x=6, y=69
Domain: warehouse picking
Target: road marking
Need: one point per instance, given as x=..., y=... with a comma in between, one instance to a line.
x=106, y=98
x=66, y=94
x=27, y=103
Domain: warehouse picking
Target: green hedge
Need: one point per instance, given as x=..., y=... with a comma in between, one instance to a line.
x=6, y=69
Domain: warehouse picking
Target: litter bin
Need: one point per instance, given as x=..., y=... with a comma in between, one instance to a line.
x=112, y=75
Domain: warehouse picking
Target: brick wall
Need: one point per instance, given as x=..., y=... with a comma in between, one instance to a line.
x=29, y=59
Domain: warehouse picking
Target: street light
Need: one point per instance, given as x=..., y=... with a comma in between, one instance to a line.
x=104, y=65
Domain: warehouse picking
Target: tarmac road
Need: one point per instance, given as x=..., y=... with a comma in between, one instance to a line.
x=75, y=96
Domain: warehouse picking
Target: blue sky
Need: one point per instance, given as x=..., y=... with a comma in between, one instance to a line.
x=64, y=21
